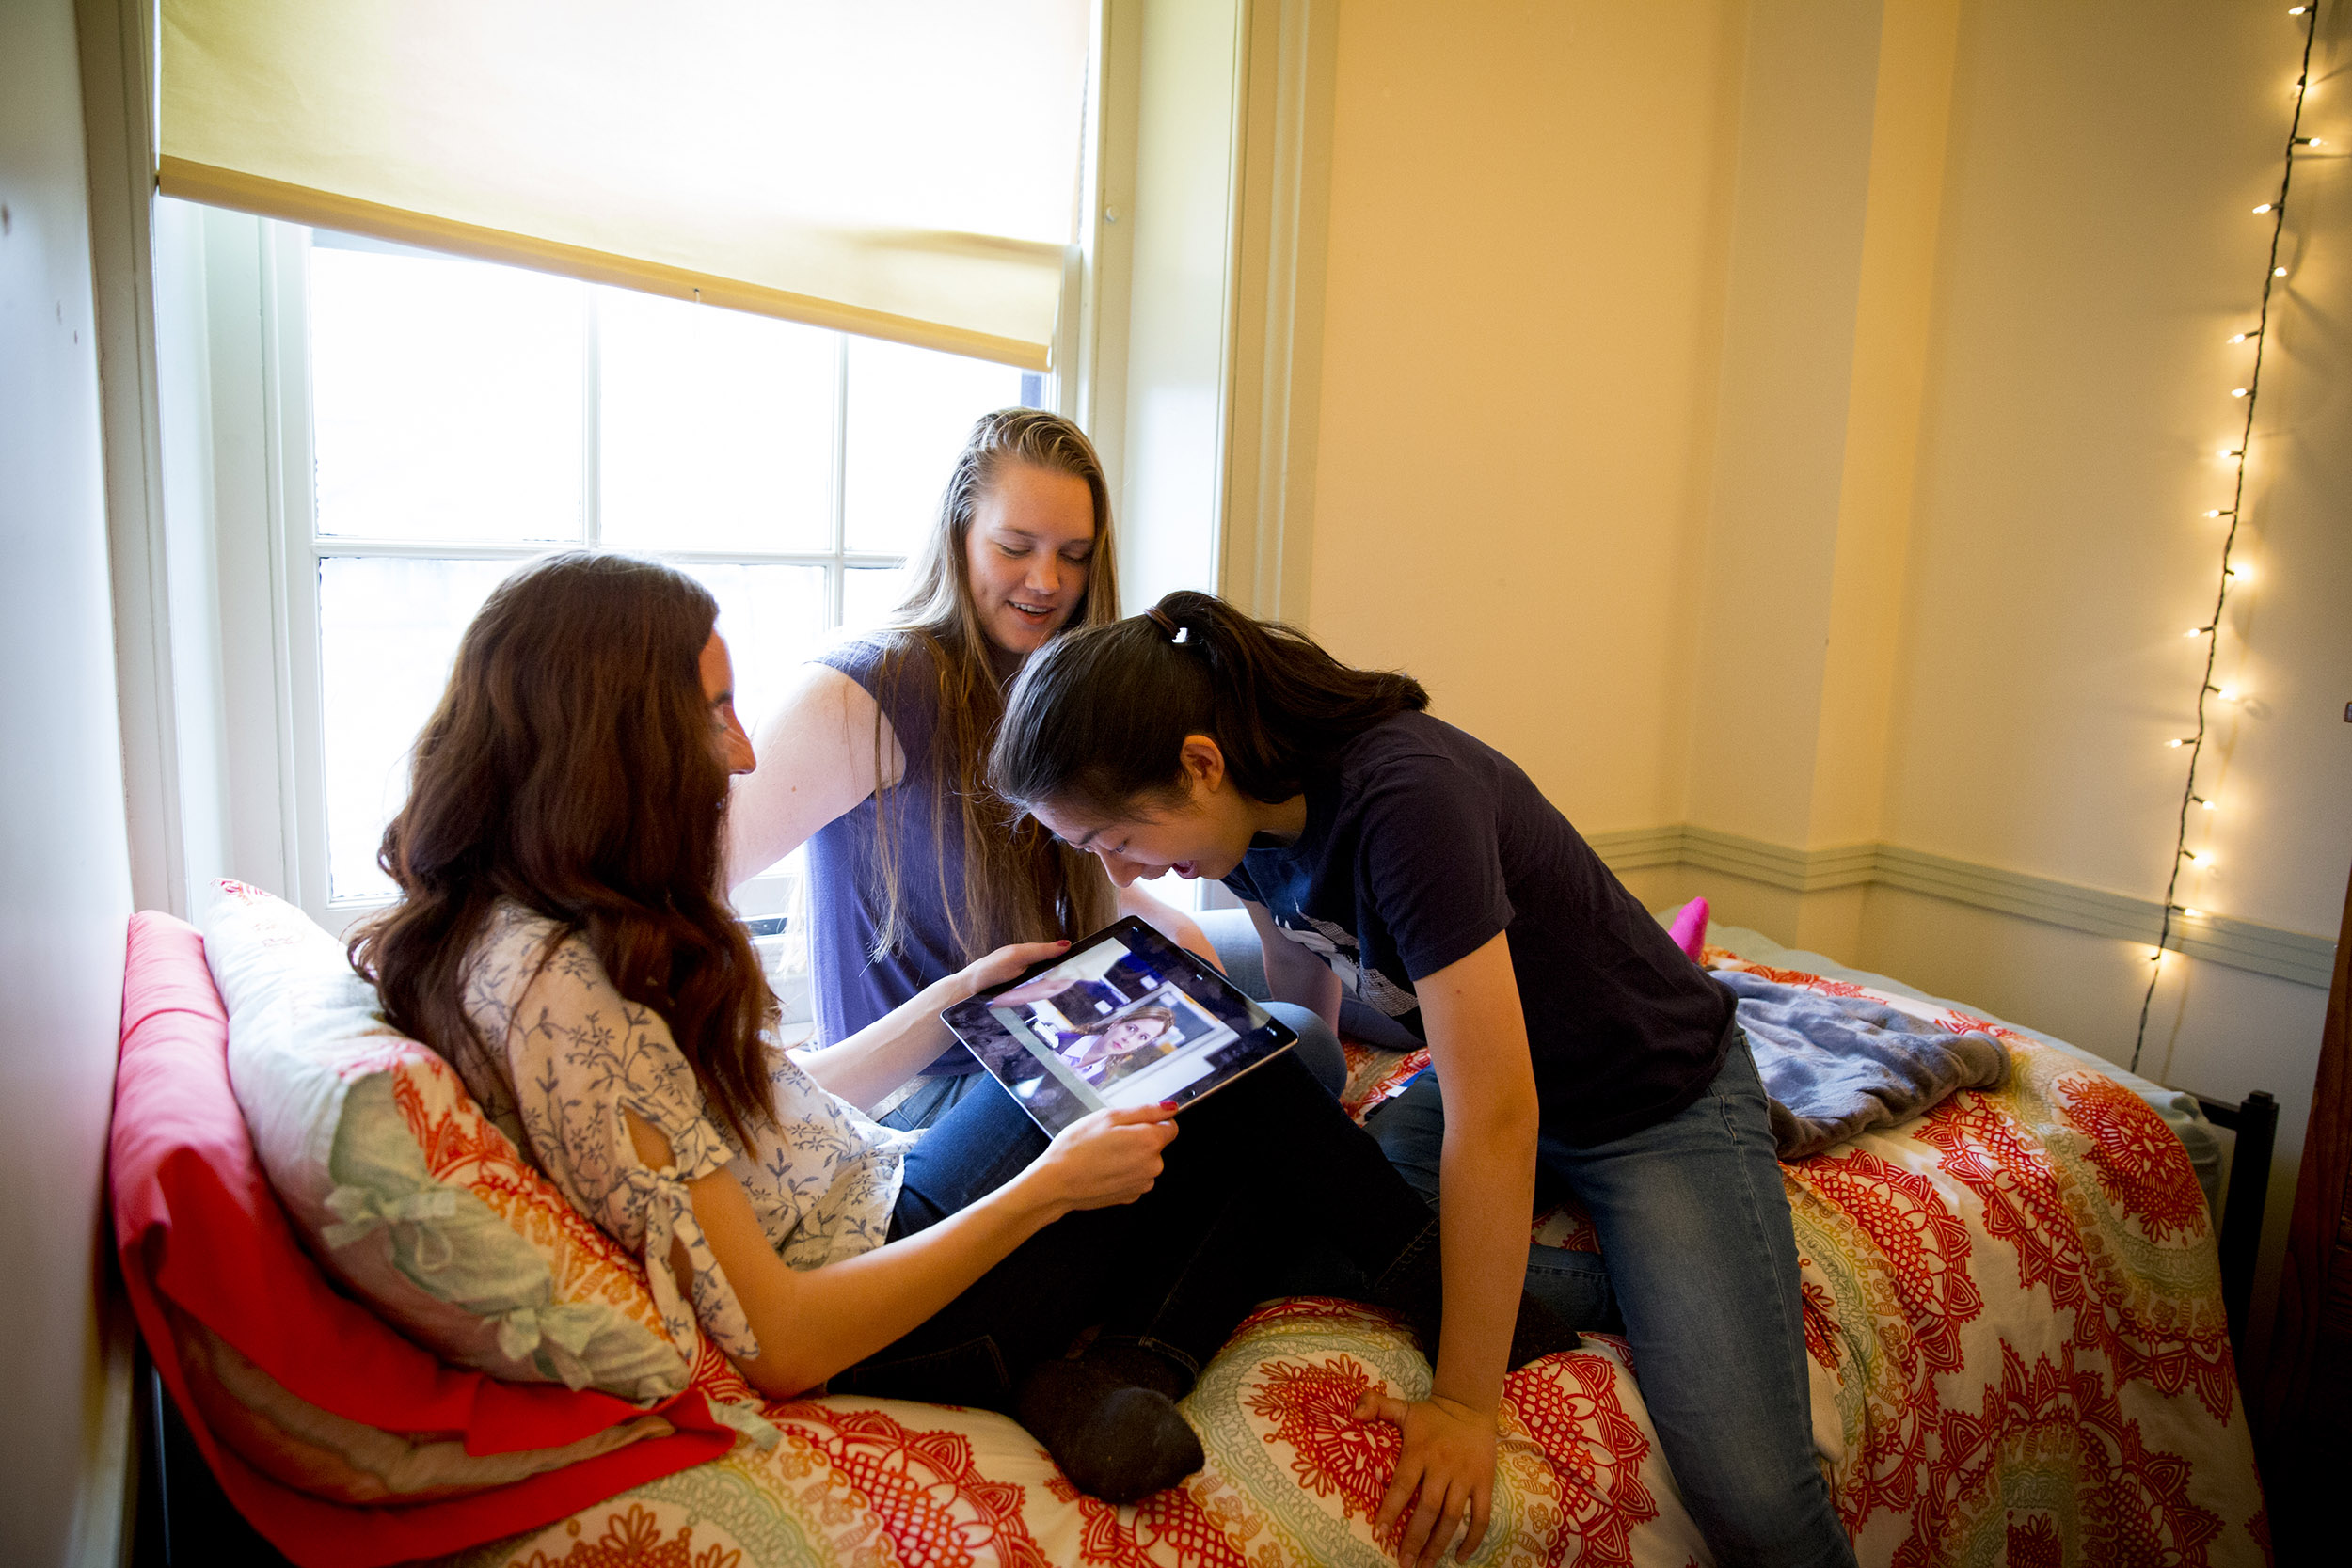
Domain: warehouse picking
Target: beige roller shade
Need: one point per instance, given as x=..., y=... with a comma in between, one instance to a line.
x=902, y=168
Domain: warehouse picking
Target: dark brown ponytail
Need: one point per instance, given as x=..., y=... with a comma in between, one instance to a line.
x=1097, y=721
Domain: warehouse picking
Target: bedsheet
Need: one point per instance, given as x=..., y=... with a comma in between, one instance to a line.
x=2015, y=1337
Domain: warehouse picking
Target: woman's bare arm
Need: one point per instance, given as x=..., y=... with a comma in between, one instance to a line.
x=815, y=1322
x=1169, y=920
x=886, y=1053
x=817, y=760
x=1486, y=1171
x=1293, y=973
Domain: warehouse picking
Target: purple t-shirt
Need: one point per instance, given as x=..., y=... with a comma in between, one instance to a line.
x=1423, y=842
x=844, y=905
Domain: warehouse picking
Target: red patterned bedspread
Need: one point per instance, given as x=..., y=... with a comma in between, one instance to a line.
x=2018, y=1353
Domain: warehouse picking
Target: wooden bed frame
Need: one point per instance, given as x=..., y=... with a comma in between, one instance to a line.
x=2238, y=1228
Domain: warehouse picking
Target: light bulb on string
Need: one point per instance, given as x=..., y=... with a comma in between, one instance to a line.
x=2232, y=575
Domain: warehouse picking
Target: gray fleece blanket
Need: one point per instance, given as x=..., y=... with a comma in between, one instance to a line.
x=1837, y=1066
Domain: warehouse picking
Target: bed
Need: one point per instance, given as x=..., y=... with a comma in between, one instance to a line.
x=2017, y=1339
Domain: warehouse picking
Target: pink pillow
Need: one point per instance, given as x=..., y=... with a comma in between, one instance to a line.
x=1690, y=928
x=202, y=1238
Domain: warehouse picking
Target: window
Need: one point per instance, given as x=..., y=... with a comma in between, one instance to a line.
x=461, y=417
x=331, y=511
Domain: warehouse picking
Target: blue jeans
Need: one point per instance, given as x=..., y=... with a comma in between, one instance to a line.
x=1698, y=1265
x=1263, y=1173
x=1238, y=949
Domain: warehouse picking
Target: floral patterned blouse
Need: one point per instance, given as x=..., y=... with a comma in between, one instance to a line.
x=568, y=1053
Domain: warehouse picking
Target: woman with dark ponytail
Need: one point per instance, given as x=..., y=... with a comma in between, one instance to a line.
x=1387, y=857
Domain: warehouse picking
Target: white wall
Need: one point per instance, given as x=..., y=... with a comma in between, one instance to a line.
x=1521, y=345
x=1789, y=419
x=2097, y=250
x=64, y=857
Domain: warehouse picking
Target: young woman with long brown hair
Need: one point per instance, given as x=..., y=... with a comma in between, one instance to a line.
x=878, y=755
x=1572, y=1044
x=562, y=939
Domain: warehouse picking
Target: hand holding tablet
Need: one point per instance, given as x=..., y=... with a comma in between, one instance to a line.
x=1125, y=1017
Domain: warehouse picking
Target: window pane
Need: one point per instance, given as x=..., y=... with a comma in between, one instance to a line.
x=445, y=397
x=911, y=411
x=717, y=427
x=772, y=617
x=870, y=594
x=387, y=630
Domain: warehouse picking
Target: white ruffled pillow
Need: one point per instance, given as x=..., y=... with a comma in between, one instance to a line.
x=401, y=1186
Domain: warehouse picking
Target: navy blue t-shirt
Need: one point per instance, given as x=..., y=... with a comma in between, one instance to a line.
x=1423, y=842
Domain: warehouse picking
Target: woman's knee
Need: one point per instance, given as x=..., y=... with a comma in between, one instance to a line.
x=1411, y=1131
x=1238, y=948
x=1318, y=1049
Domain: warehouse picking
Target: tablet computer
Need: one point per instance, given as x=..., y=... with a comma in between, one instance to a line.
x=1124, y=1018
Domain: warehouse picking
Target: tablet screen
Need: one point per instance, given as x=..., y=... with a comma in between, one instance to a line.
x=1124, y=1018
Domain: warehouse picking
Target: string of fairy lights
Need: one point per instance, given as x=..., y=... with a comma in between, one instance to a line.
x=2232, y=575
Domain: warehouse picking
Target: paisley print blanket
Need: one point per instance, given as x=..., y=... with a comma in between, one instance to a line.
x=2018, y=1356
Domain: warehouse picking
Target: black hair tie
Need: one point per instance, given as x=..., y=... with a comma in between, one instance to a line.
x=1160, y=618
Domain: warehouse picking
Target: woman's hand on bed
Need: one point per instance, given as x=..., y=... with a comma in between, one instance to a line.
x=1449, y=1461
x=1109, y=1158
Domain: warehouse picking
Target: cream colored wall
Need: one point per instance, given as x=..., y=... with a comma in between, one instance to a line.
x=2097, y=249
x=1519, y=353
x=1792, y=418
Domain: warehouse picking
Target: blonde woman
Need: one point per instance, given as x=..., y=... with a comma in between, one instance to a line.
x=876, y=758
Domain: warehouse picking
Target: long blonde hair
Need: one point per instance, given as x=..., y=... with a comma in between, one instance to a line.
x=1019, y=883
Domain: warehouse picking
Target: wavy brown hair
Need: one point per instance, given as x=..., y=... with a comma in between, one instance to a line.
x=571, y=768
x=1018, y=885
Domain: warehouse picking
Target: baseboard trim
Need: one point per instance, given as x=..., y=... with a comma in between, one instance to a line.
x=2306, y=959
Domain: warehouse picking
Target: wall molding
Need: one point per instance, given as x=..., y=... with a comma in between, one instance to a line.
x=2306, y=959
